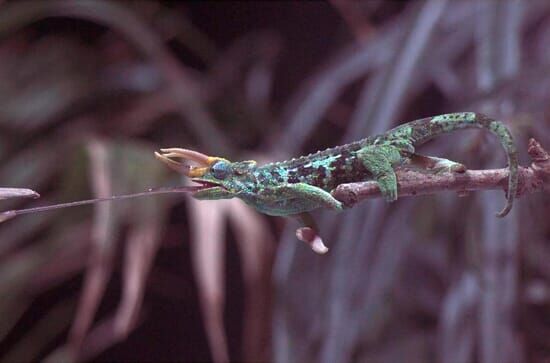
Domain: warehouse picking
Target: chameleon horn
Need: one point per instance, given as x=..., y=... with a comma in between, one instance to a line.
x=174, y=165
x=167, y=155
x=186, y=154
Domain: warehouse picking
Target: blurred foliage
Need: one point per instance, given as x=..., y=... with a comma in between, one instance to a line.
x=91, y=88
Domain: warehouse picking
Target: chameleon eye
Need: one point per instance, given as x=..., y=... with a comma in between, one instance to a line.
x=221, y=170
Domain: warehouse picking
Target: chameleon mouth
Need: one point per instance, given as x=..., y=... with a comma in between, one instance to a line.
x=205, y=185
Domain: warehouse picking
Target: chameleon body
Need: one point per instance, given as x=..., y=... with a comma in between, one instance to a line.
x=300, y=185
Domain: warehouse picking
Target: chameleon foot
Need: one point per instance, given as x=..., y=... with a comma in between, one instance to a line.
x=447, y=166
x=436, y=165
x=310, y=236
x=388, y=187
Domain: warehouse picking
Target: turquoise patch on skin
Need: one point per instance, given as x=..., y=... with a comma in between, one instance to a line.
x=325, y=162
x=283, y=173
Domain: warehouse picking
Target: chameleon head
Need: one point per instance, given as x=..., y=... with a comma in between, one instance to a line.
x=217, y=178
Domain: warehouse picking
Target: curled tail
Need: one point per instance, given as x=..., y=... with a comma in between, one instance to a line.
x=420, y=131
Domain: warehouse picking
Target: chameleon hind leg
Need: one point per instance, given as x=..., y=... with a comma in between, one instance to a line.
x=436, y=165
x=380, y=160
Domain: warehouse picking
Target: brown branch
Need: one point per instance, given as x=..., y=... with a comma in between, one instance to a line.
x=534, y=178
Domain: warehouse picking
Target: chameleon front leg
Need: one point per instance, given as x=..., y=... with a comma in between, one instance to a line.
x=308, y=195
x=379, y=161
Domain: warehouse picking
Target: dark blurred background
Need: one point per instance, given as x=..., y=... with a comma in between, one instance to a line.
x=89, y=89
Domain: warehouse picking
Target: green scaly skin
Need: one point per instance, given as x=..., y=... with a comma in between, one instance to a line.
x=303, y=184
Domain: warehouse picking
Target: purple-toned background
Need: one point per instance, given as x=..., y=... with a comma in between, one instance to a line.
x=89, y=89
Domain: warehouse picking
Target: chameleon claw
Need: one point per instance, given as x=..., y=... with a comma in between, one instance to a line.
x=309, y=236
x=389, y=194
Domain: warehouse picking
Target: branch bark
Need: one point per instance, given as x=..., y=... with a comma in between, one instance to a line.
x=534, y=178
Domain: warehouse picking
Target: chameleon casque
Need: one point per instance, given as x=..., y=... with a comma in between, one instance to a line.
x=297, y=186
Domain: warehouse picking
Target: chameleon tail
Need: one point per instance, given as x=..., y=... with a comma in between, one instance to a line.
x=420, y=131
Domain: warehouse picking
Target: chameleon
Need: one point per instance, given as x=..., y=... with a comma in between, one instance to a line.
x=298, y=186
